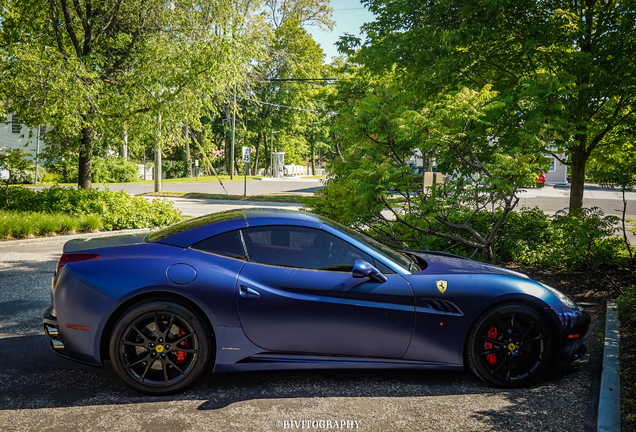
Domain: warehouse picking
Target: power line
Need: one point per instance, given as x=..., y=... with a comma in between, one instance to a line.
x=297, y=79
x=281, y=106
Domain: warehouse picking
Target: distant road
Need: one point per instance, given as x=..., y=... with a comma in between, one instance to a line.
x=550, y=198
x=254, y=187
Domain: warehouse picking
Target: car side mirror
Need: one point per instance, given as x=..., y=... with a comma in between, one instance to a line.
x=361, y=269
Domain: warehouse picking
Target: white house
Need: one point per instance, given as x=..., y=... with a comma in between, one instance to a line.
x=558, y=172
x=14, y=135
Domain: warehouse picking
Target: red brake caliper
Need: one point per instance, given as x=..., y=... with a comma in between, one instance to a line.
x=181, y=356
x=492, y=334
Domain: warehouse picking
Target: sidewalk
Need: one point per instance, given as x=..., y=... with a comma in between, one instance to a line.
x=592, y=191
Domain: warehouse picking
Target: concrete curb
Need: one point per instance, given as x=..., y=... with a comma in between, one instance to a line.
x=70, y=237
x=609, y=405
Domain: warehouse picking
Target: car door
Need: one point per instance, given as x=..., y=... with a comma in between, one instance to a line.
x=297, y=294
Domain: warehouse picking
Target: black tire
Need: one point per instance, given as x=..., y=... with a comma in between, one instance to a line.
x=510, y=345
x=159, y=347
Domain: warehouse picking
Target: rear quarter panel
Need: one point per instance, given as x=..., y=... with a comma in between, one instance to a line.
x=122, y=273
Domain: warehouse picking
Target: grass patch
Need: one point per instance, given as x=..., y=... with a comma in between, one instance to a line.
x=299, y=199
x=18, y=224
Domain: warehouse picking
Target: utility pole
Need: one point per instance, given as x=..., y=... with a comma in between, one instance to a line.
x=158, y=155
x=271, y=152
x=37, y=155
x=233, y=127
x=187, y=168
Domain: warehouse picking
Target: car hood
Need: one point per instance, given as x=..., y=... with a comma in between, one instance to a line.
x=439, y=264
x=84, y=244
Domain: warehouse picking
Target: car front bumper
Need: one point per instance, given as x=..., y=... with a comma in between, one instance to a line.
x=574, y=326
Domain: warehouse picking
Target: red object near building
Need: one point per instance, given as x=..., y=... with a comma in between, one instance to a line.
x=540, y=179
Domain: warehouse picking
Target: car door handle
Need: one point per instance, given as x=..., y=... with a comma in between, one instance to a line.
x=248, y=292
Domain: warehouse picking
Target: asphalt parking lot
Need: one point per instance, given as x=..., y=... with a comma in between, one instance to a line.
x=41, y=392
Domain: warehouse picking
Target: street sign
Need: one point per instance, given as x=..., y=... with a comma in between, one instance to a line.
x=246, y=154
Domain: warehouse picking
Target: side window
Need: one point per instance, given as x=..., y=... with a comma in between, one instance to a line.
x=227, y=244
x=301, y=248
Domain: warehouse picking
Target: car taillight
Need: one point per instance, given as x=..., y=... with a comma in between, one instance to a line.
x=72, y=257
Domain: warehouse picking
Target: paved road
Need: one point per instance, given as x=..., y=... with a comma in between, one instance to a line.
x=41, y=392
x=550, y=198
x=254, y=187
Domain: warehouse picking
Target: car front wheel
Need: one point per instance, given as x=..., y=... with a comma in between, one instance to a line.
x=510, y=346
x=159, y=347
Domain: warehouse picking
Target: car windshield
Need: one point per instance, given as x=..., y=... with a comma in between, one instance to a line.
x=157, y=236
x=399, y=258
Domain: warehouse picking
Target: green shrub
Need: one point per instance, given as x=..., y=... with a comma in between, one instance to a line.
x=116, y=210
x=627, y=309
x=173, y=169
x=109, y=169
x=52, y=178
x=529, y=236
x=113, y=170
x=17, y=224
x=66, y=168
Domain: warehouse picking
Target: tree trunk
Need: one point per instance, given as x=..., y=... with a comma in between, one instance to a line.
x=123, y=151
x=313, y=158
x=258, y=151
x=577, y=185
x=186, y=155
x=158, y=155
x=228, y=157
x=85, y=158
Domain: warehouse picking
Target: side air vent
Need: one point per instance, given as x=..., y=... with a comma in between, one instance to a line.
x=442, y=306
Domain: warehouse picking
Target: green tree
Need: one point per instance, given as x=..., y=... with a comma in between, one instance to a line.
x=381, y=124
x=305, y=12
x=86, y=68
x=16, y=164
x=616, y=166
x=277, y=102
x=566, y=67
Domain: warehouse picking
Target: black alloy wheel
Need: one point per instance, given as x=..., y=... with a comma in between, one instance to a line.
x=510, y=346
x=159, y=347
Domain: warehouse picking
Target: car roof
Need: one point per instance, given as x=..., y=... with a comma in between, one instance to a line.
x=194, y=230
x=277, y=216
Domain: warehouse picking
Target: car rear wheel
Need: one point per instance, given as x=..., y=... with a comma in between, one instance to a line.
x=510, y=346
x=159, y=347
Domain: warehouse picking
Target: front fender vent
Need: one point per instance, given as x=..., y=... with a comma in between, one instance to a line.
x=442, y=306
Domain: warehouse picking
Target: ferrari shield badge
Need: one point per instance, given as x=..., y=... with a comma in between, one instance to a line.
x=442, y=285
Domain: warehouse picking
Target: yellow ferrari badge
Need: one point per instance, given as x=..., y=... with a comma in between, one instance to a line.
x=159, y=348
x=442, y=285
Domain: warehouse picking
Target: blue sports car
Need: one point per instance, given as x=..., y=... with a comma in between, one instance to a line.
x=264, y=289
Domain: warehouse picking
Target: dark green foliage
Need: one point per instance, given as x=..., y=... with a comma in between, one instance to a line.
x=174, y=169
x=567, y=67
x=118, y=210
x=17, y=168
x=104, y=170
x=114, y=170
x=627, y=310
x=528, y=236
x=585, y=239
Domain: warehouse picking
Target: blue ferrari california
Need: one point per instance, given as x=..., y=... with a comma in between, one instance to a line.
x=263, y=289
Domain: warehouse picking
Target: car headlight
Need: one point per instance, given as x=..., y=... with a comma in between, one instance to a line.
x=564, y=299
